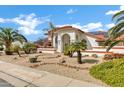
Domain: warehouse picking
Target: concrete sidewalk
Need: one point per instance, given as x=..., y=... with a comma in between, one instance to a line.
x=20, y=76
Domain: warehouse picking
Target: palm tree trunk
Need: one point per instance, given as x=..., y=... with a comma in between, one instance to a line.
x=8, y=49
x=79, y=57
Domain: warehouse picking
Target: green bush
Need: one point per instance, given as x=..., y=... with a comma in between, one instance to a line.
x=94, y=55
x=89, y=61
x=9, y=51
x=112, y=72
x=1, y=47
x=69, y=50
x=29, y=47
x=16, y=49
x=33, y=59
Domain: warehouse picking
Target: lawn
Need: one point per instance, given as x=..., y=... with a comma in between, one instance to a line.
x=112, y=72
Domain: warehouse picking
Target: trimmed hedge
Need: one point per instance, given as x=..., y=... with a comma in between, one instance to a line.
x=112, y=72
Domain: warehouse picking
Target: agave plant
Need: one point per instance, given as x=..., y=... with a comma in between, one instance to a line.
x=116, y=31
x=8, y=36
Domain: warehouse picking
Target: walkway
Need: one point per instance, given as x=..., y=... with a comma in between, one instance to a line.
x=20, y=76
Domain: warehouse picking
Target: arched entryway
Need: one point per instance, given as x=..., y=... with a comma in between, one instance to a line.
x=65, y=41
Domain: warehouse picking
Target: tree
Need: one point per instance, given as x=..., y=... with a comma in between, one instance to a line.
x=16, y=49
x=52, y=28
x=116, y=31
x=78, y=47
x=8, y=36
x=28, y=47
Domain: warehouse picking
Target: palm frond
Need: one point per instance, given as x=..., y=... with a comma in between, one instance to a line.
x=117, y=15
x=120, y=19
x=52, y=27
x=116, y=29
x=113, y=44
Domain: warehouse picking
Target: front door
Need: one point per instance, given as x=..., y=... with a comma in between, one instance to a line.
x=65, y=41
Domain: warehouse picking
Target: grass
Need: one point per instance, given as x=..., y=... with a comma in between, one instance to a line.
x=112, y=72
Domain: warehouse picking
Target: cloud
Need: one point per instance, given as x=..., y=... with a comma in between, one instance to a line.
x=2, y=20
x=109, y=25
x=112, y=12
x=71, y=11
x=27, y=23
x=93, y=26
x=88, y=27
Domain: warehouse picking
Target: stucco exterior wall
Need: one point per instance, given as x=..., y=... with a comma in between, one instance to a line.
x=74, y=36
x=60, y=34
x=91, y=42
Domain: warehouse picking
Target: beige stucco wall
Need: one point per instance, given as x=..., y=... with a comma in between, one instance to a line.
x=91, y=42
x=60, y=34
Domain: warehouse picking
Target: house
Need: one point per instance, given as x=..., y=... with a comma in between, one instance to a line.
x=62, y=36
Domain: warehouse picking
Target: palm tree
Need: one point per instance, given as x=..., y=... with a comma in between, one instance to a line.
x=52, y=28
x=78, y=47
x=8, y=36
x=116, y=31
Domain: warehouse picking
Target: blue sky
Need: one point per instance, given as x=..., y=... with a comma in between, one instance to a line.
x=31, y=20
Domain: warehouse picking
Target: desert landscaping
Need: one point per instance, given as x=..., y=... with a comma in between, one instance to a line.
x=53, y=63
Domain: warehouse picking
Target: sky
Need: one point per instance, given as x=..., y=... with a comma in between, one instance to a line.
x=31, y=20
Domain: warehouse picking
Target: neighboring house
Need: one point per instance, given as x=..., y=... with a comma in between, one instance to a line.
x=63, y=36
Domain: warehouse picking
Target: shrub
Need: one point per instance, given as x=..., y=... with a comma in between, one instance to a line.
x=29, y=47
x=16, y=49
x=85, y=55
x=33, y=59
x=113, y=56
x=89, y=61
x=95, y=55
x=69, y=50
x=112, y=72
x=9, y=51
x=1, y=47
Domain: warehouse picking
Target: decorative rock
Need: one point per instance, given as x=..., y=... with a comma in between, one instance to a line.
x=62, y=60
x=15, y=58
